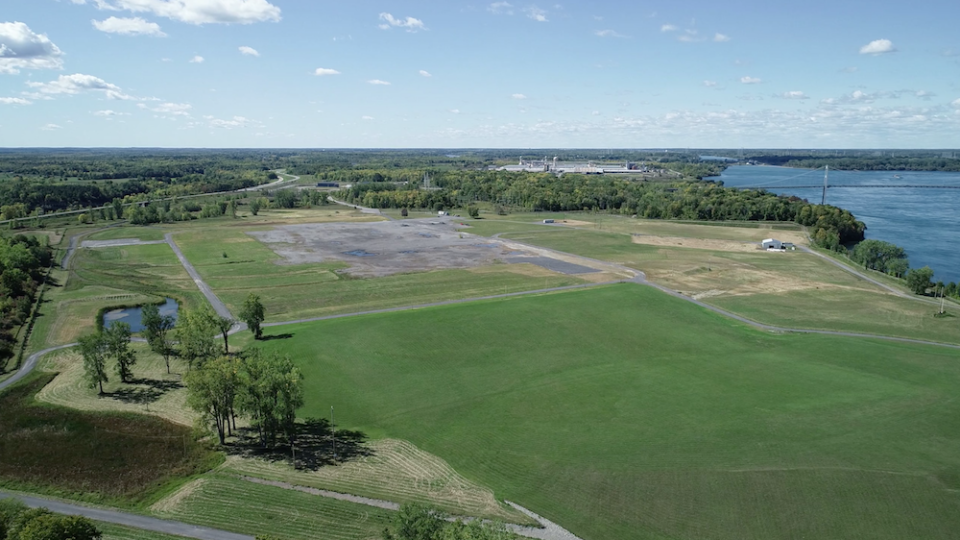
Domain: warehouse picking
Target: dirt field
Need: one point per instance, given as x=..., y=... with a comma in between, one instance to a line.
x=384, y=248
x=695, y=243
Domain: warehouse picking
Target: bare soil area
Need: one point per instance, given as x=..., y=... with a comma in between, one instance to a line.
x=388, y=247
x=695, y=243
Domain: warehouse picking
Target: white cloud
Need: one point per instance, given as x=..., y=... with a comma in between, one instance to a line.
x=378, y=82
x=851, y=69
x=249, y=51
x=366, y=118
x=425, y=73
x=76, y=83
x=720, y=38
x=879, y=46
x=710, y=84
x=924, y=95
x=536, y=13
x=21, y=48
x=109, y=113
x=956, y=103
x=750, y=80
x=51, y=127
x=609, y=33
x=793, y=94
x=200, y=11
x=129, y=27
x=455, y=111
x=14, y=101
x=197, y=60
x=323, y=72
x=518, y=96
x=668, y=28
x=172, y=109
x=410, y=23
x=498, y=8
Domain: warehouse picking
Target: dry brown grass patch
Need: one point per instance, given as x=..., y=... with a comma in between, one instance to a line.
x=171, y=502
x=694, y=243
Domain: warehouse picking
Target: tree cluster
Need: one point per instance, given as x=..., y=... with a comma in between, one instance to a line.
x=265, y=388
x=419, y=522
x=22, y=262
x=17, y=522
x=112, y=343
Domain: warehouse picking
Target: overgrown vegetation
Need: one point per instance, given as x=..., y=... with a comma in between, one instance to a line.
x=17, y=522
x=22, y=262
x=118, y=458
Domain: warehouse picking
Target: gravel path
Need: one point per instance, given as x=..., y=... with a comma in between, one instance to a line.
x=65, y=262
x=548, y=530
x=218, y=306
x=130, y=520
x=869, y=279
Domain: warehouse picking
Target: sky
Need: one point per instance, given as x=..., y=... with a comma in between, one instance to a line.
x=454, y=74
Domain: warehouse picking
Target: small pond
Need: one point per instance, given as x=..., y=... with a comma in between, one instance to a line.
x=132, y=316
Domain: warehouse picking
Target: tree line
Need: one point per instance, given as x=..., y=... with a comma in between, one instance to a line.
x=831, y=227
x=22, y=263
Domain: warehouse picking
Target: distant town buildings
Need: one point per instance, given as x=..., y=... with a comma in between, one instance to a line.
x=555, y=166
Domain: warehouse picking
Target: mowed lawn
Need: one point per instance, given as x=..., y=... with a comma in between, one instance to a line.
x=750, y=282
x=620, y=412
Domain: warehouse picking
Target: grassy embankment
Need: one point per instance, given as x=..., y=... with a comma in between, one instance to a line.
x=621, y=412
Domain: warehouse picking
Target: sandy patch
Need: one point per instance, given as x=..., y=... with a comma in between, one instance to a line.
x=703, y=283
x=575, y=223
x=695, y=243
x=172, y=501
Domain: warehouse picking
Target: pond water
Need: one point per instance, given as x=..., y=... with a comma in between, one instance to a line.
x=925, y=222
x=132, y=316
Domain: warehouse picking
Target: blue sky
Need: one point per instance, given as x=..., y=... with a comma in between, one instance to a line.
x=298, y=73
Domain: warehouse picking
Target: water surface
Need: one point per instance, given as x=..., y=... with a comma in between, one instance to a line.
x=132, y=316
x=925, y=222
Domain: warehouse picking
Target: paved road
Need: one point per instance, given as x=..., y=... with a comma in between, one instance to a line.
x=65, y=261
x=29, y=364
x=869, y=279
x=274, y=184
x=362, y=209
x=130, y=520
x=218, y=306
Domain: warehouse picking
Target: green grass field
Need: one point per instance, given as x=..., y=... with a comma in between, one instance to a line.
x=119, y=532
x=228, y=503
x=621, y=412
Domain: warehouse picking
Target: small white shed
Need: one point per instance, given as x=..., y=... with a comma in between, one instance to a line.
x=772, y=244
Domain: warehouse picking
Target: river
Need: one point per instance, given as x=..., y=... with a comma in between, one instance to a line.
x=925, y=222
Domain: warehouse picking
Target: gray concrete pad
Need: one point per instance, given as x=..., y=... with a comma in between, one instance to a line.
x=386, y=247
x=554, y=265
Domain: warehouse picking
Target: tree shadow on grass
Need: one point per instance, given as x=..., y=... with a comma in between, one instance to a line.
x=314, y=446
x=150, y=391
x=278, y=336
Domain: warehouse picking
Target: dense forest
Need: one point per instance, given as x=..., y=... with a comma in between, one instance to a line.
x=880, y=161
x=22, y=262
x=831, y=227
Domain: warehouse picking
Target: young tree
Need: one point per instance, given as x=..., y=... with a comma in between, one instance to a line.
x=253, y=314
x=224, y=324
x=473, y=211
x=255, y=206
x=196, y=331
x=919, y=279
x=94, y=351
x=157, y=331
x=117, y=337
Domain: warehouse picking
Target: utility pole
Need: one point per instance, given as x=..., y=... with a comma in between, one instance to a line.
x=826, y=176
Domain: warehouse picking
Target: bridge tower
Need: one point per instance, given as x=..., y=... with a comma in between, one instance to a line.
x=826, y=176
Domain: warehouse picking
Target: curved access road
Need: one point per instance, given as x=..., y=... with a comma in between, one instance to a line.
x=363, y=209
x=135, y=521
x=219, y=307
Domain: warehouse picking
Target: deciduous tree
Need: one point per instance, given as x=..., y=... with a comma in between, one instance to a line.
x=117, y=337
x=157, y=331
x=94, y=351
x=253, y=313
x=919, y=279
x=196, y=332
